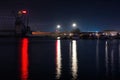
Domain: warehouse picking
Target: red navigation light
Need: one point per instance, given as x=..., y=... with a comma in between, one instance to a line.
x=24, y=12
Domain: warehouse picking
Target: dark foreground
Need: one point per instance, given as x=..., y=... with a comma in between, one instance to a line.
x=49, y=59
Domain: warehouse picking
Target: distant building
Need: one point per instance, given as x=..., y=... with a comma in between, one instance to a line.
x=110, y=32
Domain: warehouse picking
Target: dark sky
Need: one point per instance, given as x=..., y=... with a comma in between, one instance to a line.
x=44, y=15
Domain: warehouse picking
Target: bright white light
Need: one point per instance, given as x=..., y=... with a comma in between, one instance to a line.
x=58, y=59
x=58, y=38
x=58, y=26
x=74, y=60
x=74, y=24
x=71, y=34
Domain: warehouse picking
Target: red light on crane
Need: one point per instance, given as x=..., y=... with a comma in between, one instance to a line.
x=24, y=12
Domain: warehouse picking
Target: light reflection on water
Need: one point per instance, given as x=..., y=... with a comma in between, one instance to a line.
x=73, y=59
x=24, y=58
x=119, y=55
x=74, y=67
x=103, y=55
x=58, y=59
x=106, y=57
x=97, y=55
x=110, y=58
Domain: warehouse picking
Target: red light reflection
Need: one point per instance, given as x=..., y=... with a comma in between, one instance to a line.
x=24, y=59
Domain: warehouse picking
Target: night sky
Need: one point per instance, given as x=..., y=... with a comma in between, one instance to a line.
x=90, y=15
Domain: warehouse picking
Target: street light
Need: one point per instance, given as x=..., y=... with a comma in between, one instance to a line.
x=74, y=25
x=58, y=26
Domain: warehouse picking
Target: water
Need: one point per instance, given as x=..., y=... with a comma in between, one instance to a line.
x=47, y=59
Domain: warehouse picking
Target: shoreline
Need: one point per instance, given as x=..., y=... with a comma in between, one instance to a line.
x=61, y=38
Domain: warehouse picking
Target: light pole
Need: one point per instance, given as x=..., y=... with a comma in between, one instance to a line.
x=58, y=28
x=75, y=29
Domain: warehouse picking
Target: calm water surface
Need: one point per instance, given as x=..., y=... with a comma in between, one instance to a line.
x=47, y=59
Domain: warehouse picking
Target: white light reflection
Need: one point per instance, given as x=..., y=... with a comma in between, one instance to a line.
x=112, y=58
x=119, y=55
x=112, y=62
x=70, y=53
x=97, y=55
x=106, y=57
x=58, y=59
x=74, y=67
